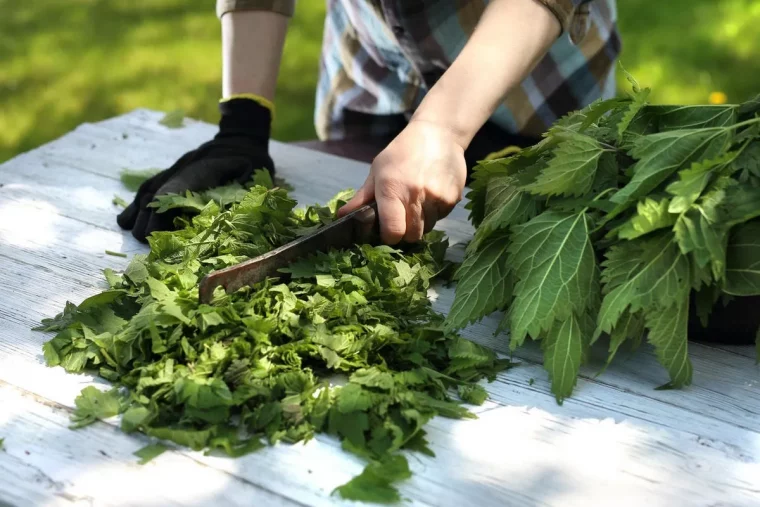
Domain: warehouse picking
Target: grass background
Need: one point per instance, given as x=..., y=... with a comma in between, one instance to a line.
x=64, y=63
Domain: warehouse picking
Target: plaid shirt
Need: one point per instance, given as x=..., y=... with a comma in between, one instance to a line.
x=380, y=57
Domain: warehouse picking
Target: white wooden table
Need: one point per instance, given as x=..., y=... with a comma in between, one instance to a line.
x=616, y=442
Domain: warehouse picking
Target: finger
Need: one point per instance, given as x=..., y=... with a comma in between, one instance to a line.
x=126, y=219
x=161, y=221
x=362, y=196
x=143, y=216
x=415, y=223
x=431, y=217
x=141, y=223
x=392, y=214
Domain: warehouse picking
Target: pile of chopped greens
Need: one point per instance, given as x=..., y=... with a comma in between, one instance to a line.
x=345, y=342
x=623, y=216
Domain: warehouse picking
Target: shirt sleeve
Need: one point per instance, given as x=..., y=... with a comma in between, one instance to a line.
x=284, y=7
x=572, y=16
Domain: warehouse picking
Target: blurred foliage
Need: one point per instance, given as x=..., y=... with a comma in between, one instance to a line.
x=687, y=49
x=64, y=63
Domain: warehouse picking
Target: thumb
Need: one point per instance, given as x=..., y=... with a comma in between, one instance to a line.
x=362, y=196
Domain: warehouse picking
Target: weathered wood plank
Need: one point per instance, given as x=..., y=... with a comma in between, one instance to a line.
x=517, y=454
x=45, y=463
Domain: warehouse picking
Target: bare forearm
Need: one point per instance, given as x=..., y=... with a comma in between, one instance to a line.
x=510, y=39
x=252, y=43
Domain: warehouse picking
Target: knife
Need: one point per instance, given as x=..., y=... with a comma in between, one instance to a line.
x=358, y=227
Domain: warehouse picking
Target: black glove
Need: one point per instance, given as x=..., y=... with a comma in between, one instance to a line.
x=240, y=148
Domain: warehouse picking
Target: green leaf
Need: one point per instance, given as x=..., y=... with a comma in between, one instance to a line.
x=149, y=452
x=662, y=154
x=634, y=84
x=749, y=109
x=52, y=358
x=190, y=201
x=262, y=178
x=556, y=267
x=353, y=398
x=572, y=170
x=118, y=201
x=93, y=404
x=136, y=271
x=167, y=299
x=373, y=377
x=194, y=439
x=232, y=193
x=136, y=417
x=743, y=260
x=692, y=182
x=114, y=280
x=705, y=241
x=486, y=170
x=506, y=205
x=668, y=328
x=473, y=393
x=650, y=216
x=173, y=119
x=739, y=205
x=466, y=354
x=597, y=109
x=629, y=327
x=642, y=274
x=483, y=282
x=640, y=97
x=563, y=350
x=693, y=116
x=132, y=179
x=376, y=483
x=749, y=159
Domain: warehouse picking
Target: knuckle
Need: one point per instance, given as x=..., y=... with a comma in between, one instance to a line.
x=389, y=186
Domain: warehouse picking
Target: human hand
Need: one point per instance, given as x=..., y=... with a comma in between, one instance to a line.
x=416, y=181
x=239, y=149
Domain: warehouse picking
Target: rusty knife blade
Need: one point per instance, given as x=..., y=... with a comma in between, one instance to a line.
x=358, y=227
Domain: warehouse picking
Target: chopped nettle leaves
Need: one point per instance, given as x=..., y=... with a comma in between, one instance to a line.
x=609, y=224
x=255, y=367
x=93, y=404
x=118, y=201
x=149, y=452
x=132, y=179
x=173, y=119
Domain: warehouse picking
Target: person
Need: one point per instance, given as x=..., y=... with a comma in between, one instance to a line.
x=446, y=81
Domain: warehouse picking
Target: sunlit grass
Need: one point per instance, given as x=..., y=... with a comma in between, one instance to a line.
x=65, y=63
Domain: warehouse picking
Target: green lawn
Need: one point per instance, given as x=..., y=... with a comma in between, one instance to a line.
x=64, y=63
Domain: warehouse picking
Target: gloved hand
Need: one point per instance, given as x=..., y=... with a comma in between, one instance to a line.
x=240, y=148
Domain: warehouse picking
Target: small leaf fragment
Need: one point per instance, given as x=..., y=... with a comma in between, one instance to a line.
x=173, y=119
x=149, y=452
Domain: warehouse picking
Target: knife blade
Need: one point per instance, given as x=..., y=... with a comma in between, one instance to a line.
x=358, y=227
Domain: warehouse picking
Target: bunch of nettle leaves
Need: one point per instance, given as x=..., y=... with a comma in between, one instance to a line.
x=256, y=364
x=623, y=216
